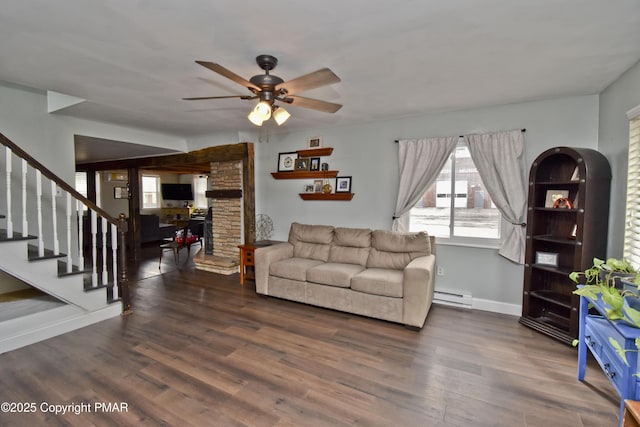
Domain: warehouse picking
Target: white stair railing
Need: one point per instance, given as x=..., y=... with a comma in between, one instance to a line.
x=108, y=232
x=9, y=214
x=25, y=221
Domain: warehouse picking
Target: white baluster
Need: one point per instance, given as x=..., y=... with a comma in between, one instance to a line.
x=68, y=212
x=54, y=216
x=79, y=211
x=105, y=276
x=39, y=211
x=114, y=259
x=9, y=214
x=94, y=248
x=25, y=221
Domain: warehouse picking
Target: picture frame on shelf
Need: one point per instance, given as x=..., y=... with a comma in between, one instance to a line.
x=314, y=142
x=317, y=185
x=343, y=184
x=308, y=188
x=553, y=195
x=547, y=258
x=314, y=164
x=120, y=193
x=302, y=164
x=286, y=161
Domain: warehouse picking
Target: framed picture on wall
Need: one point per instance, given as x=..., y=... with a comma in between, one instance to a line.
x=343, y=184
x=287, y=161
x=314, y=142
x=120, y=193
x=302, y=164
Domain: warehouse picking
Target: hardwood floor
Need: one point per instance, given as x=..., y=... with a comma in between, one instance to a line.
x=201, y=350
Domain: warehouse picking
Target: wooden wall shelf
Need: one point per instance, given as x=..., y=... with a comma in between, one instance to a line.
x=330, y=196
x=304, y=174
x=315, y=152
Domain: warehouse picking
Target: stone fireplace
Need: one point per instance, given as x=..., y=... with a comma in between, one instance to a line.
x=225, y=199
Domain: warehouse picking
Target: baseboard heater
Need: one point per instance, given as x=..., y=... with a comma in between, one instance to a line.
x=453, y=298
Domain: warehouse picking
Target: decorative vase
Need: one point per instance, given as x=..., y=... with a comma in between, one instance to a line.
x=326, y=189
x=616, y=277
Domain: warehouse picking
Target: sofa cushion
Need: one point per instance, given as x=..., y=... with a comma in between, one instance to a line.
x=395, y=250
x=333, y=274
x=311, y=241
x=350, y=246
x=292, y=268
x=352, y=237
x=379, y=281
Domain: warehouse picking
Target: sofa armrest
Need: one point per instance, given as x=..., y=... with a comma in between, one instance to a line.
x=263, y=257
x=418, y=287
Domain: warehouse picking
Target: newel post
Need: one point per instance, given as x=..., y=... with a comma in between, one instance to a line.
x=123, y=281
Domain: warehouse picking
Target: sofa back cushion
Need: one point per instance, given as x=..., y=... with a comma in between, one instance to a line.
x=350, y=246
x=394, y=250
x=311, y=241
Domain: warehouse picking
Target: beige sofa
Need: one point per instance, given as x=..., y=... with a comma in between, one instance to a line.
x=381, y=274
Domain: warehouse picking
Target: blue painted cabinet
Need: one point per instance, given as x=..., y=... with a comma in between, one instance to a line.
x=595, y=333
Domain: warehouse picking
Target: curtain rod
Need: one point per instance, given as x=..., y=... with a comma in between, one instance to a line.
x=461, y=136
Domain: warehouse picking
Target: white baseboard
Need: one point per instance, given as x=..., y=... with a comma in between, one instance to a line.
x=58, y=322
x=497, y=307
x=488, y=305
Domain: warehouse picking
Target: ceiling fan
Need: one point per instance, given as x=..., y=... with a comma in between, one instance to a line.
x=269, y=88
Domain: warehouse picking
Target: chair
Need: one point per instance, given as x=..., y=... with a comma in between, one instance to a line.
x=184, y=237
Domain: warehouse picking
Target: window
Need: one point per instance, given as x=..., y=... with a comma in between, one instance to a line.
x=150, y=191
x=632, y=222
x=200, y=184
x=81, y=183
x=457, y=206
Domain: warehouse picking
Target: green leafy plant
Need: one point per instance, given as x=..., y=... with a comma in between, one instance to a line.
x=598, y=281
x=622, y=352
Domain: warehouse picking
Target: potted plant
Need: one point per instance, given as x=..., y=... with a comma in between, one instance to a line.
x=603, y=281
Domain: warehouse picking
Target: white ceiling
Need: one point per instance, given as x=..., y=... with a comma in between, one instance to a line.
x=133, y=61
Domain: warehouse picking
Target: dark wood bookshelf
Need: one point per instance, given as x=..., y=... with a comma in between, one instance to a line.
x=548, y=303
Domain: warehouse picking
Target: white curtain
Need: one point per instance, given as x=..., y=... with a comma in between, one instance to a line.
x=499, y=158
x=420, y=161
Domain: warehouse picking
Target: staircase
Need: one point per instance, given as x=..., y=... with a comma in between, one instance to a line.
x=43, y=243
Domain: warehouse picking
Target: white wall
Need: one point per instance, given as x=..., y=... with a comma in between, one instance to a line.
x=49, y=138
x=613, y=142
x=368, y=154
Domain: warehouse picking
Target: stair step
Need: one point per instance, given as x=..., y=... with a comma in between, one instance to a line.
x=48, y=254
x=4, y=237
x=62, y=269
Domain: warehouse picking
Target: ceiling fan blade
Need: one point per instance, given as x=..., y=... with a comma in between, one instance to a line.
x=310, y=81
x=216, y=68
x=219, y=97
x=314, y=104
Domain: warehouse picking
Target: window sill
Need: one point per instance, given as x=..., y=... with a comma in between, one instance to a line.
x=468, y=244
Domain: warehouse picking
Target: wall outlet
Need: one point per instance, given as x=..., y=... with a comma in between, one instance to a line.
x=440, y=270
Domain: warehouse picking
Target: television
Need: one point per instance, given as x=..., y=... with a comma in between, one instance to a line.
x=176, y=192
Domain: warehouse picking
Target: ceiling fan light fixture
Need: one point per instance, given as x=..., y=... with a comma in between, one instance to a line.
x=280, y=115
x=263, y=109
x=255, y=118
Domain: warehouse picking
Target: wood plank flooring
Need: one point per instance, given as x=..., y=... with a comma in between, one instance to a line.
x=200, y=350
